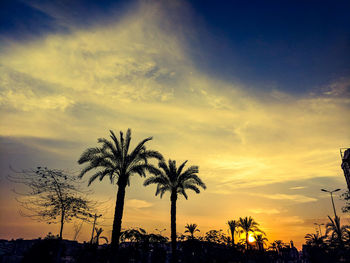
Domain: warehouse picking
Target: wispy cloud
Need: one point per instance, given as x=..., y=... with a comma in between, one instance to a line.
x=271, y=211
x=138, y=204
x=286, y=197
x=297, y=187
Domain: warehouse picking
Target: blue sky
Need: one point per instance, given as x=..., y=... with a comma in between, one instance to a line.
x=295, y=46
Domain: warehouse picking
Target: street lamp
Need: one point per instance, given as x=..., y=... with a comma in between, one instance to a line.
x=331, y=192
x=319, y=227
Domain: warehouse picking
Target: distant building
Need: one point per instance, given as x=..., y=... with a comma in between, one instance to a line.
x=345, y=155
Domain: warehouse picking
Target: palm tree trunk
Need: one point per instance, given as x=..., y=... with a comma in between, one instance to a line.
x=233, y=238
x=246, y=240
x=118, y=215
x=173, y=199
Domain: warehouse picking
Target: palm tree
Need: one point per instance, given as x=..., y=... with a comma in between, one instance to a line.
x=278, y=245
x=113, y=159
x=338, y=232
x=248, y=225
x=233, y=224
x=314, y=240
x=175, y=181
x=260, y=241
x=191, y=228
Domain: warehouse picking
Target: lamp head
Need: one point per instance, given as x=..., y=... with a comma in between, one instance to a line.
x=324, y=190
x=336, y=190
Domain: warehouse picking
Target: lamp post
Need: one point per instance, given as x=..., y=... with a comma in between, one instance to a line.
x=331, y=192
x=319, y=227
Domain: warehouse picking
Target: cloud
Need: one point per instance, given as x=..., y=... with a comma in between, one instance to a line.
x=138, y=204
x=286, y=197
x=297, y=187
x=271, y=211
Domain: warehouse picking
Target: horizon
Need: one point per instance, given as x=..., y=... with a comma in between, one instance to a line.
x=255, y=97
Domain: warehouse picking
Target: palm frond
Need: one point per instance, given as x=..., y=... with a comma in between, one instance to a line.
x=179, y=170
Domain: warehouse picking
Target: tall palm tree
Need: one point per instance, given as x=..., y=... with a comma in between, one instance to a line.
x=248, y=225
x=260, y=241
x=233, y=225
x=113, y=159
x=338, y=232
x=191, y=228
x=175, y=181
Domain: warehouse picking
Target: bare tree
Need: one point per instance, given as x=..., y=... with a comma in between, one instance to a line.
x=77, y=228
x=51, y=195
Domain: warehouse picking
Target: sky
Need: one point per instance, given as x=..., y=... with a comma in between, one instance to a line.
x=256, y=94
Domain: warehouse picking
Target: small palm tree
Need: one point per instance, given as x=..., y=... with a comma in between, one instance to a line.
x=233, y=225
x=314, y=240
x=176, y=181
x=248, y=225
x=338, y=232
x=278, y=245
x=113, y=159
x=191, y=228
x=260, y=241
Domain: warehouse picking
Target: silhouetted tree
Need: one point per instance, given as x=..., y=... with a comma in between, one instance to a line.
x=314, y=240
x=346, y=197
x=76, y=229
x=278, y=244
x=215, y=236
x=113, y=159
x=337, y=232
x=233, y=225
x=176, y=181
x=51, y=195
x=260, y=241
x=248, y=225
x=191, y=229
x=98, y=236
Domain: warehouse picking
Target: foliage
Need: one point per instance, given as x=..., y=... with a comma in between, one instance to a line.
x=176, y=181
x=314, y=240
x=140, y=235
x=248, y=225
x=215, y=236
x=346, y=197
x=233, y=225
x=191, y=229
x=338, y=233
x=51, y=195
x=114, y=160
x=260, y=241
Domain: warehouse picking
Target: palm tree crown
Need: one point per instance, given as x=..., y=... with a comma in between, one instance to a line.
x=113, y=159
x=173, y=180
x=176, y=181
x=338, y=232
x=248, y=225
x=191, y=228
x=314, y=239
x=233, y=225
x=260, y=241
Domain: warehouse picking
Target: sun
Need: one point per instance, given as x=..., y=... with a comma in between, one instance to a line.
x=251, y=238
